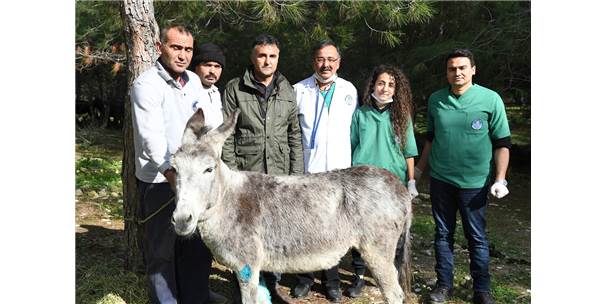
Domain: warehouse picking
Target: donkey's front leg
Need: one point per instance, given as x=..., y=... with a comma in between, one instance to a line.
x=248, y=278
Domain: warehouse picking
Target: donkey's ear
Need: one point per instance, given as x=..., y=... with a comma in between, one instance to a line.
x=194, y=128
x=228, y=126
x=218, y=136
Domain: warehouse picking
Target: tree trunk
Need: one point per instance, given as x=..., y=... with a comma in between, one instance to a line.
x=141, y=31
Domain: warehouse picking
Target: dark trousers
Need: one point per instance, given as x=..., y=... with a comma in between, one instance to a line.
x=271, y=280
x=177, y=268
x=446, y=200
x=330, y=277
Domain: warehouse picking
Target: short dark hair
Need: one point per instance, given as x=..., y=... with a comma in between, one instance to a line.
x=180, y=28
x=462, y=53
x=322, y=44
x=265, y=39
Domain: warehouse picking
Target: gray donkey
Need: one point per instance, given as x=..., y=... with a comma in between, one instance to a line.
x=290, y=224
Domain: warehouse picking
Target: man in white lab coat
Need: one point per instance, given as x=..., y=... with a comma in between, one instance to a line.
x=326, y=103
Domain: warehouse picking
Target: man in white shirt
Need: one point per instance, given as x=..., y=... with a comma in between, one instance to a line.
x=163, y=99
x=326, y=103
x=208, y=63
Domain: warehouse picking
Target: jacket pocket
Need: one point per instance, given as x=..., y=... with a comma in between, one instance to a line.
x=284, y=158
x=247, y=143
x=282, y=107
x=247, y=150
x=248, y=154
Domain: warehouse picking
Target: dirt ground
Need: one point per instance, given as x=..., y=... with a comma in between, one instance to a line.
x=99, y=237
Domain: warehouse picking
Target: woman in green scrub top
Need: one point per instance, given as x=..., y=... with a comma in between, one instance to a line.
x=381, y=129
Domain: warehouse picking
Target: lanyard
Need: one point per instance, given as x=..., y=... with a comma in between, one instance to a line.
x=317, y=119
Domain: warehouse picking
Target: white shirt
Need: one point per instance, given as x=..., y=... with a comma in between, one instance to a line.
x=161, y=108
x=210, y=103
x=332, y=145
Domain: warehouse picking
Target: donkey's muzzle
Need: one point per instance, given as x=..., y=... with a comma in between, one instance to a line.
x=184, y=223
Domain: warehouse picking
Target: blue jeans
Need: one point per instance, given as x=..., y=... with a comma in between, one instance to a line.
x=177, y=268
x=446, y=200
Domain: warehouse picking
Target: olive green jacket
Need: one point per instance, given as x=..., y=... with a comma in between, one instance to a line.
x=270, y=144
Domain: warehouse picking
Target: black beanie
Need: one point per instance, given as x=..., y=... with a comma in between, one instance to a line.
x=207, y=52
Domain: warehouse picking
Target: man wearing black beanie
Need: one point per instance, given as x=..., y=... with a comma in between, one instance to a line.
x=208, y=62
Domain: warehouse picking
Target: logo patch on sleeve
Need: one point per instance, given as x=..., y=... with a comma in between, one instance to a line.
x=349, y=100
x=194, y=106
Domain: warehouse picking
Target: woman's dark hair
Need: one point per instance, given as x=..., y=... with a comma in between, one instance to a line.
x=401, y=107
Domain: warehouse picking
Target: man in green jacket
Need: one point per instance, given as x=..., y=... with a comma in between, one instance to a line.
x=267, y=136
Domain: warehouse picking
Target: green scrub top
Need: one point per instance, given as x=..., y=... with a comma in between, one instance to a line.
x=327, y=95
x=464, y=127
x=373, y=142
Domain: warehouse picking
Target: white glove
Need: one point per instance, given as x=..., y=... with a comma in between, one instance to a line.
x=418, y=173
x=412, y=188
x=499, y=188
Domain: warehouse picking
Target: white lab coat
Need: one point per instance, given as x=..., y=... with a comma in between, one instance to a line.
x=332, y=143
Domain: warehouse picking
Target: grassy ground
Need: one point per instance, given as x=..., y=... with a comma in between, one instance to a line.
x=100, y=277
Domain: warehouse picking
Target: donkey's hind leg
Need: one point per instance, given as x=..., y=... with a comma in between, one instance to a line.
x=385, y=273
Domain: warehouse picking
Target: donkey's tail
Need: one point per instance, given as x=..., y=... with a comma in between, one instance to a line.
x=402, y=261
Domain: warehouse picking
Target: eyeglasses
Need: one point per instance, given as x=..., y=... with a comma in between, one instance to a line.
x=322, y=59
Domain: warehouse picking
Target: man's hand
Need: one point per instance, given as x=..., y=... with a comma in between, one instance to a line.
x=171, y=178
x=499, y=188
x=412, y=188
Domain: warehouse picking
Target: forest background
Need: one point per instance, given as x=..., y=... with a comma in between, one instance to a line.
x=412, y=35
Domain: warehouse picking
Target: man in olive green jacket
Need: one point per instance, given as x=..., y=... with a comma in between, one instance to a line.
x=267, y=137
